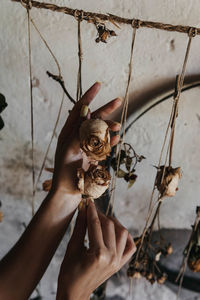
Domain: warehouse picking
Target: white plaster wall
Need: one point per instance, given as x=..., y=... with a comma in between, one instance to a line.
x=156, y=61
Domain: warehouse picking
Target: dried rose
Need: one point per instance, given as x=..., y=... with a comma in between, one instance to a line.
x=169, y=185
x=133, y=273
x=95, y=139
x=47, y=185
x=161, y=279
x=94, y=182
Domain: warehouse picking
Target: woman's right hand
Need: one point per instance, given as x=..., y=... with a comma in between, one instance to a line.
x=84, y=269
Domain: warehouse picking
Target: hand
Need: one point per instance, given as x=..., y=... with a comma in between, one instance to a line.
x=110, y=247
x=69, y=157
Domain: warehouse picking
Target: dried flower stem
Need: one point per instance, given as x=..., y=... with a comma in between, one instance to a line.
x=89, y=16
x=60, y=80
x=171, y=123
x=186, y=252
x=123, y=122
x=60, y=107
x=32, y=113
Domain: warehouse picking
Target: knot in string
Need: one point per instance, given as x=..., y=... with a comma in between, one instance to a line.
x=136, y=23
x=79, y=15
x=27, y=4
x=192, y=32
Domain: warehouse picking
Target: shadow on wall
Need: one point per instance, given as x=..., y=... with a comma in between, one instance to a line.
x=152, y=91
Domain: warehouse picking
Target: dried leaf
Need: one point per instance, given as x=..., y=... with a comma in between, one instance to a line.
x=121, y=173
x=128, y=163
x=3, y=103
x=131, y=183
x=1, y=123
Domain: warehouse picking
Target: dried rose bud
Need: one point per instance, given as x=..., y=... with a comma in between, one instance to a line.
x=162, y=278
x=94, y=182
x=149, y=276
x=95, y=139
x=47, y=185
x=169, y=185
x=157, y=256
x=133, y=274
x=169, y=249
x=194, y=259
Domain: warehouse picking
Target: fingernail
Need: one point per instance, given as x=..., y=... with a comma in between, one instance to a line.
x=84, y=111
x=90, y=201
x=99, y=82
x=81, y=206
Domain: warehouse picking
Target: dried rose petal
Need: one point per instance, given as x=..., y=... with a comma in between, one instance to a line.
x=95, y=139
x=169, y=185
x=94, y=182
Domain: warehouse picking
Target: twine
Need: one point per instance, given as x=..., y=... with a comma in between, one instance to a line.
x=108, y=17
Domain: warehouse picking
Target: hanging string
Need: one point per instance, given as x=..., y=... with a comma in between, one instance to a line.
x=188, y=249
x=47, y=46
x=123, y=119
x=172, y=122
x=28, y=6
x=91, y=16
x=79, y=17
x=60, y=107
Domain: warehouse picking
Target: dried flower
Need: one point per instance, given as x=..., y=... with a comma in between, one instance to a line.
x=168, y=184
x=194, y=259
x=161, y=279
x=194, y=255
x=158, y=255
x=134, y=274
x=169, y=250
x=103, y=33
x=95, y=139
x=47, y=185
x=94, y=182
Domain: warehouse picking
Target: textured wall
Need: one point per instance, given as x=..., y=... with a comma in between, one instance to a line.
x=158, y=58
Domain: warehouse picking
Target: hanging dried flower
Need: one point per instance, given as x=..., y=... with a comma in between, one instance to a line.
x=194, y=255
x=194, y=259
x=94, y=182
x=95, y=139
x=103, y=33
x=47, y=185
x=127, y=163
x=168, y=184
x=161, y=279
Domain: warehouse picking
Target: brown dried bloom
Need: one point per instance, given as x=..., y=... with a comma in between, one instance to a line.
x=94, y=182
x=169, y=185
x=47, y=185
x=95, y=139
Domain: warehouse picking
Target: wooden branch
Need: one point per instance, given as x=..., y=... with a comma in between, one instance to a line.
x=60, y=80
x=90, y=16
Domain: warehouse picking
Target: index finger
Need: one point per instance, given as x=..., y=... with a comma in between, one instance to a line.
x=85, y=100
x=94, y=227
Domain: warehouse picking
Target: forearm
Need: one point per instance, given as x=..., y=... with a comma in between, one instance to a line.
x=23, y=267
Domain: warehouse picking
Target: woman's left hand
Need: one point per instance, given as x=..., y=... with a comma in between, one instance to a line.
x=69, y=156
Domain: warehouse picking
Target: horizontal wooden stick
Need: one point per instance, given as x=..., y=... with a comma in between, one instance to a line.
x=90, y=16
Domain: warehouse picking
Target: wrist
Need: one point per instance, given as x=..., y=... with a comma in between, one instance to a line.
x=70, y=295
x=61, y=205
